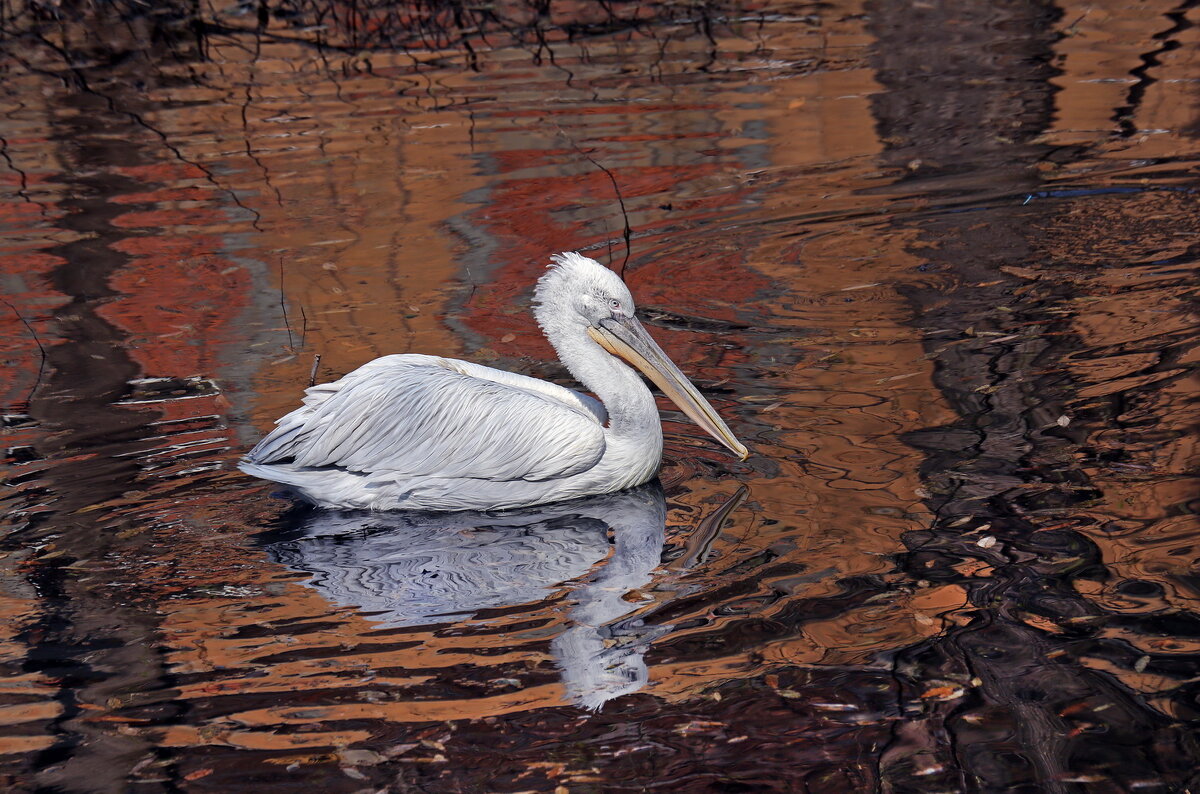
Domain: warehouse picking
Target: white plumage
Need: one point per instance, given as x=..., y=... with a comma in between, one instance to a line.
x=424, y=432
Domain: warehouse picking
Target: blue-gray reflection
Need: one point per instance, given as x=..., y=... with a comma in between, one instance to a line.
x=417, y=568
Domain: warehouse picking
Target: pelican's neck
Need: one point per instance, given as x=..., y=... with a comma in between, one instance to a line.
x=632, y=412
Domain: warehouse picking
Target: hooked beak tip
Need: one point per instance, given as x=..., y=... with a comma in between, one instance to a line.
x=739, y=449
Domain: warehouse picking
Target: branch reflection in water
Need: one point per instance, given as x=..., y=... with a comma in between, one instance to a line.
x=418, y=568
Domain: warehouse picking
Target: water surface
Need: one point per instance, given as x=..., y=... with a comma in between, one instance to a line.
x=933, y=262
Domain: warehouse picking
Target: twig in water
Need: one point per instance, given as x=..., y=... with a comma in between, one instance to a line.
x=303, y=326
x=283, y=306
x=628, y=233
x=608, y=241
x=312, y=375
x=42, y=365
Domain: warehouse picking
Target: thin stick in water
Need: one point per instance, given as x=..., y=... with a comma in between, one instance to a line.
x=283, y=306
x=41, y=365
x=628, y=233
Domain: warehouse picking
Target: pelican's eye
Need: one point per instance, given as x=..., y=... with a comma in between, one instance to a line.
x=614, y=304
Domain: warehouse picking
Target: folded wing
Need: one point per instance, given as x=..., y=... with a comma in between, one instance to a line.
x=414, y=416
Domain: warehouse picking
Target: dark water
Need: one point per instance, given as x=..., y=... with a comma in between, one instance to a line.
x=934, y=261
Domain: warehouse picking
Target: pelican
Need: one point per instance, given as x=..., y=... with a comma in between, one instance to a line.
x=429, y=433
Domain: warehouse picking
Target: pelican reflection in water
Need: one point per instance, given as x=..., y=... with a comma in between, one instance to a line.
x=430, y=433
x=413, y=568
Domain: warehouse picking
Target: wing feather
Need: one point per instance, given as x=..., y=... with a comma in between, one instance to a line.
x=415, y=416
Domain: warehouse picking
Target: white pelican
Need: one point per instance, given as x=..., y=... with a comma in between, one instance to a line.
x=429, y=433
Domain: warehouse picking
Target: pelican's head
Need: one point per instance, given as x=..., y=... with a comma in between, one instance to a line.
x=581, y=294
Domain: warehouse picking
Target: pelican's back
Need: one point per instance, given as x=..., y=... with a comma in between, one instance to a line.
x=409, y=416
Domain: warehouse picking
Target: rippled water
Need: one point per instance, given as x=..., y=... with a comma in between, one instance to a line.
x=934, y=261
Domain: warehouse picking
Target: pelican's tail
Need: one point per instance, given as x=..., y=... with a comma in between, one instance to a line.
x=325, y=485
x=275, y=446
x=292, y=430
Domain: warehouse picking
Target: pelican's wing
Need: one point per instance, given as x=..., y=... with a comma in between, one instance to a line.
x=413, y=416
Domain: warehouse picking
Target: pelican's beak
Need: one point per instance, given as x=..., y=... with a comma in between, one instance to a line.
x=627, y=339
